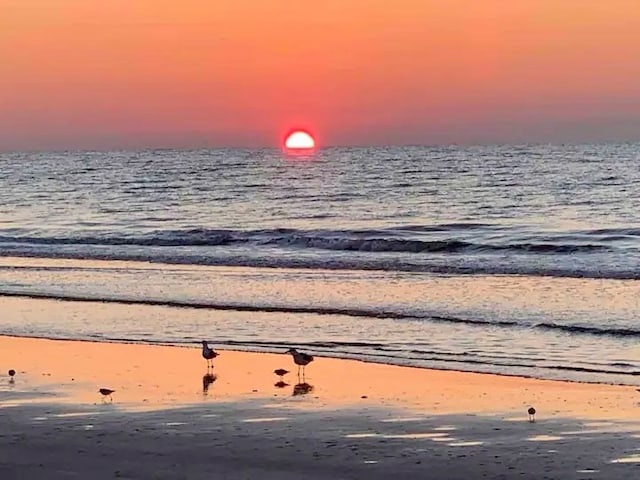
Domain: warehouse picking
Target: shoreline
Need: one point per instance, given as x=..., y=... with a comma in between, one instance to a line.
x=567, y=330
x=226, y=347
x=339, y=380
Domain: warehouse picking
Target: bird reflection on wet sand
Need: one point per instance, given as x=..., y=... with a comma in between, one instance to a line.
x=302, y=389
x=207, y=380
x=281, y=384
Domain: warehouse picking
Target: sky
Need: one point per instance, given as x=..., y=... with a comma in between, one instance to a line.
x=96, y=74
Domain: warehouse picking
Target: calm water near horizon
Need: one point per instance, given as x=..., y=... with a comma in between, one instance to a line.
x=516, y=260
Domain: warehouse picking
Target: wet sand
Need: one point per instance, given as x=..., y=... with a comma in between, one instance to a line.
x=345, y=419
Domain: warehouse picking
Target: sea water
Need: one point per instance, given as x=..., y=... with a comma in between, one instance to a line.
x=519, y=260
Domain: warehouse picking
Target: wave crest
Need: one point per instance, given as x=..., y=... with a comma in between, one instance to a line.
x=339, y=240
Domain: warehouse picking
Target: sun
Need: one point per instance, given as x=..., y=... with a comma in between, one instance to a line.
x=299, y=140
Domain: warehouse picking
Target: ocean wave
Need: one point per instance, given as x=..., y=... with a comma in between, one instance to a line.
x=341, y=240
x=622, y=232
x=326, y=310
x=444, y=227
x=455, y=249
x=169, y=238
x=421, y=246
x=592, y=330
x=551, y=268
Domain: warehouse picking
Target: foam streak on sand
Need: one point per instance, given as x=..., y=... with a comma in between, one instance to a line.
x=349, y=312
x=359, y=420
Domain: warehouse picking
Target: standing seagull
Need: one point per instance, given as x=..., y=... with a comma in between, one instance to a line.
x=208, y=353
x=300, y=359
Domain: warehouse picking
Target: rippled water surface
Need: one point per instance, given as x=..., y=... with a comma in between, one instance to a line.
x=517, y=260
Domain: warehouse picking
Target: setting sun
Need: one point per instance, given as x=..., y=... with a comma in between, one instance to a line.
x=299, y=140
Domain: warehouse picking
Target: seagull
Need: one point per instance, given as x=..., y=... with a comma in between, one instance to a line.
x=208, y=353
x=281, y=372
x=106, y=392
x=300, y=359
x=532, y=414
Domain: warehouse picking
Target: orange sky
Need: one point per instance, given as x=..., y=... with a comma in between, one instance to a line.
x=192, y=73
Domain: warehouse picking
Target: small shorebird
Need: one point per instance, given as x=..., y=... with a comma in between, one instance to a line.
x=12, y=373
x=300, y=359
x=208, y=353
x=281, y=372
x=532, y=414
x=106, y=392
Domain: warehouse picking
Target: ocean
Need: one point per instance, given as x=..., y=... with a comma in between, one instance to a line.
x=515, y=260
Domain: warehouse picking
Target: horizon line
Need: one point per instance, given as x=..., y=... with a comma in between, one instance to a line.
x=323, y=147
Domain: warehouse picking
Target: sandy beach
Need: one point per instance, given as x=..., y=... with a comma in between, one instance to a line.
x=348, y=419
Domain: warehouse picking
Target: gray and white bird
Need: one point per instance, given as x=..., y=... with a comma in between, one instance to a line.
x=299, y=358
x=208, y=353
